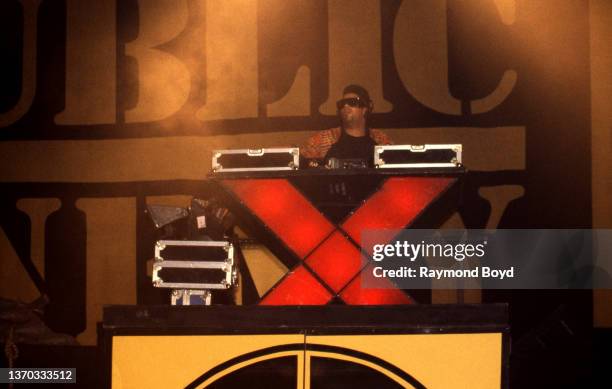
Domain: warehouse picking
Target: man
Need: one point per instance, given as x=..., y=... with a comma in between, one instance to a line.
x=353, y=139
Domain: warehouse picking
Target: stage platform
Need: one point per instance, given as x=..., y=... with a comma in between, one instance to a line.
x=333, y=346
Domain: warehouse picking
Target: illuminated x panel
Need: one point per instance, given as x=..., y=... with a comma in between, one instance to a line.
x=285, y=211
x=396, y=205
x=333, y=258
x=336, y=261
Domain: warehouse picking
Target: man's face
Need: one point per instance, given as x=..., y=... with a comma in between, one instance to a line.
x=349, y=114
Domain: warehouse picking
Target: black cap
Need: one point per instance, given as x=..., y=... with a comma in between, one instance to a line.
x=359, y=91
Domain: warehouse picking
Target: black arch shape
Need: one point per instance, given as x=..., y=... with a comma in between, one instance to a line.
x=311, y=347
x=370, y=358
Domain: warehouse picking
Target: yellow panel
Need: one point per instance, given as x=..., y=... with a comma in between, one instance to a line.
x=175, y=361
x=471, y=361
x=265, y=268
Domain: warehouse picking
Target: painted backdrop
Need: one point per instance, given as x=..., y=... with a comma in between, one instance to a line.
x=109, y=105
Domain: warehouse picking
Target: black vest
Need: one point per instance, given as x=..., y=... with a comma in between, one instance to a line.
x=353, y=147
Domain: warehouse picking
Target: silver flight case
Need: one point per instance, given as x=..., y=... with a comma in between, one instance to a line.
x=417, y=156
x=185, y=264
x=244, y=160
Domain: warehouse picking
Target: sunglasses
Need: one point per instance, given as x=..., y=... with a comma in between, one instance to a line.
x=351, y=102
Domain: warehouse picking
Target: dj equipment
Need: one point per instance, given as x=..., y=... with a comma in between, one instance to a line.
x=312, y=221
x=417, y=156
x=340, y=163
x=244, y=160
x=193, y=268
x=386, y=156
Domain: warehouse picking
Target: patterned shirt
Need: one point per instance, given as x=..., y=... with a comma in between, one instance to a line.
x=318, y=145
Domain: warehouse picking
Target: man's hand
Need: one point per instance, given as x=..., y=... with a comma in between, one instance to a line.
x=313, y=163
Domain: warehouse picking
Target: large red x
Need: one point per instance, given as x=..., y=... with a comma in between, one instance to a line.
x=331, y=258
